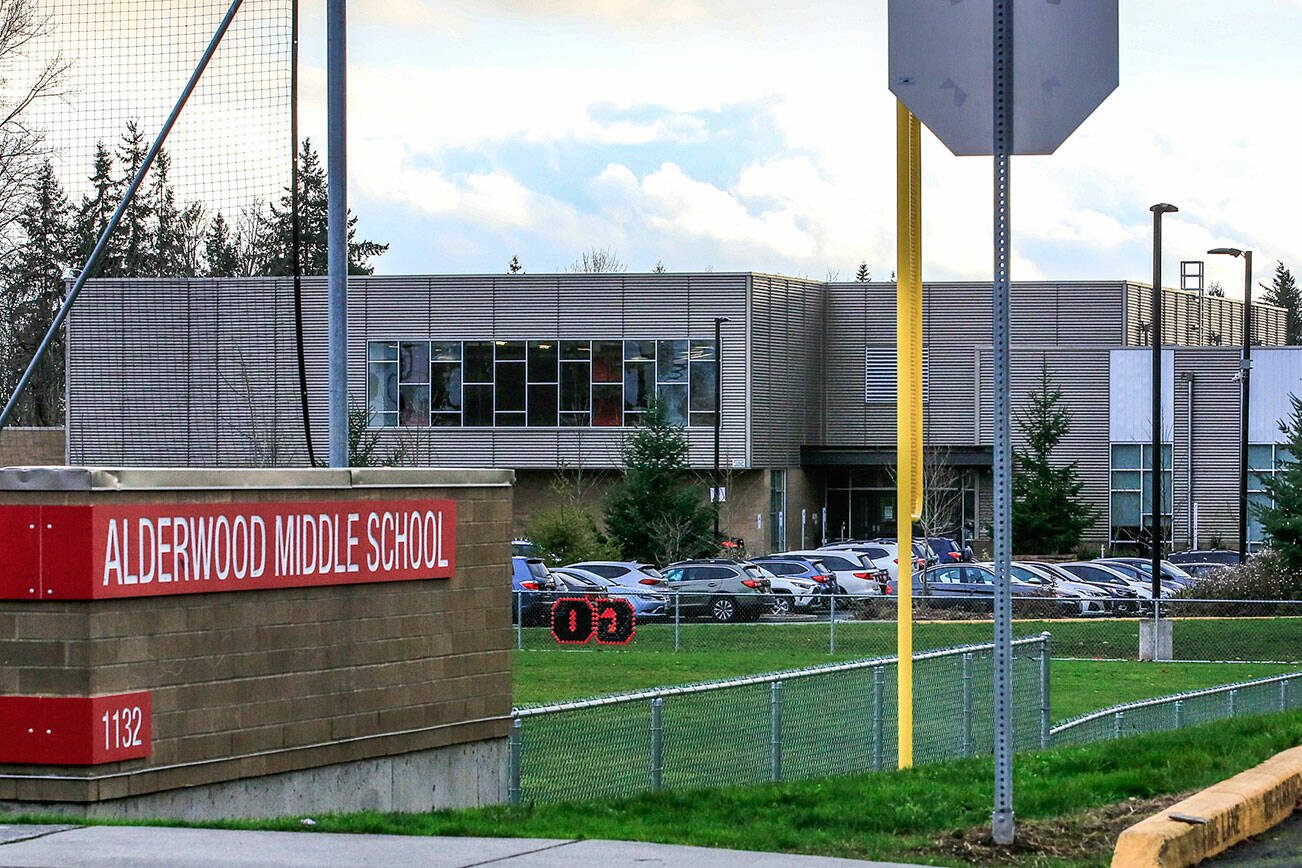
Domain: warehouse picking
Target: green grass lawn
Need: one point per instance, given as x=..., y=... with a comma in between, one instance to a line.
x=1076, y=686
x=915, y=815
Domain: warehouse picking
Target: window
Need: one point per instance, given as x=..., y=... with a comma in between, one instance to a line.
x=1132, y=487
x=777, y=510
x=1264, y=461
x=539, y=383
x=946, y=576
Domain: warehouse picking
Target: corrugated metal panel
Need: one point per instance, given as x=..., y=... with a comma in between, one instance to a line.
x=786, y=357
x=1215, y=444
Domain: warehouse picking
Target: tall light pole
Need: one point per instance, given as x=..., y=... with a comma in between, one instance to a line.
x=718, y=414
x=1155, y=333
x=1245, y=392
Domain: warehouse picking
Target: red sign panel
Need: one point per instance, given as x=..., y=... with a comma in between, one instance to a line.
x=99, y=552
x=75, y=730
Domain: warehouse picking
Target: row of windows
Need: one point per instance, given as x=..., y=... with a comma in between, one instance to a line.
x=1264, y=461
x=1132, y=493
x=542, y=383
x=1132, y=489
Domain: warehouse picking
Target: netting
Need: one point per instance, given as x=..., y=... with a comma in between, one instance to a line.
x=94, y=81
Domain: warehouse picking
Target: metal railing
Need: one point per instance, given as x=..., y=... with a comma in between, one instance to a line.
x=1261, y=696
x=813, y=722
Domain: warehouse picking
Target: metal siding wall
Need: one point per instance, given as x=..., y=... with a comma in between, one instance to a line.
x=1215, y=444
x=786, y=358
x=235, y=401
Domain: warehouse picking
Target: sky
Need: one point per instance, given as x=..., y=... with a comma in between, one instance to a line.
x=733, y=135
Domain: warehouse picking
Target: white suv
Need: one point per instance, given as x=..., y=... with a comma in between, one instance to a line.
x=854, y=573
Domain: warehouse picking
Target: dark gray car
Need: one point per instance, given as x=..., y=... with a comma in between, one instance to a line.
x=719, y=589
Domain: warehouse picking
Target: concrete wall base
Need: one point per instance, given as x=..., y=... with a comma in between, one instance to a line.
x=457, y=776
x=1155, y=639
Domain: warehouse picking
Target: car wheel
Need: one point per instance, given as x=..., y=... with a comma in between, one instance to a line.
x=782, y=603
x=723, y=610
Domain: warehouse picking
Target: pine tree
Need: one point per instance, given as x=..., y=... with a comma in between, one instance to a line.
x=274, y=247
x=33, y=281
x=657, y=512
x=1281, y=520
x=862, y=274
x=221, y=249
x=514, y=266
x=1049, y=515
x=136, y=231
x=96, y=210
x=1283, y=292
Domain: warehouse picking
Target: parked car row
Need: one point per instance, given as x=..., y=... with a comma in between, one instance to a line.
x=726, y=590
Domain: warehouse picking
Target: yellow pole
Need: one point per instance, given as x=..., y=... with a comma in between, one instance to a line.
x=908, y=329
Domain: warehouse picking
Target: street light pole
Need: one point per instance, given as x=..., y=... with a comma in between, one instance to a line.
x=1245, y=392
x=1155, y=334
x=718, y=415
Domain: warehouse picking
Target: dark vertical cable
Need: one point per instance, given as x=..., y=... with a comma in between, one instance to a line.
x=296, y=229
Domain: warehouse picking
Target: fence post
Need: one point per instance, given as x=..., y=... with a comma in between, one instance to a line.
x=879, y=681
x=515, y=752
x=657, y=743
x=1179, y=714
x=1116, y=723
x=1234, y=702
x=1044, y=690
x=678, y=596
x=775, y=731
x=519, y=619
x=831, y=621
x=1283, y=695
x=965, y=744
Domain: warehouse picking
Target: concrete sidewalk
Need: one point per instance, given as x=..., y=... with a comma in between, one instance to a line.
x=149, y=846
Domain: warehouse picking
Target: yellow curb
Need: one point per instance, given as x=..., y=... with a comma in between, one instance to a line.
x=1245, y=805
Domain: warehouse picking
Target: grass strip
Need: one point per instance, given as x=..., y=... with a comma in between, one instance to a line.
x=912, y=815
x=1076, y=686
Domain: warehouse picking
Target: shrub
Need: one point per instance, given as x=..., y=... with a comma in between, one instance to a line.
x=568, y=533
x=1266, y=576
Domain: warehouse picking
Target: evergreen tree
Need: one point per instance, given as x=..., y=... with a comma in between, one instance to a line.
x=136, y=231
x=1049, y=515
x=96, y=210
x=514, y=266
x=862, y=274
x=221, y=249
x=1282, y=518
x=657, y=512
x=275, y=244
x=1283, y=292
x=33, y=289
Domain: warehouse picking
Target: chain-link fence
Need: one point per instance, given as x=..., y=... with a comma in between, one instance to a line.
x=1233, y=630
x=804, y=723
x=1262, y=696
x=849, y=627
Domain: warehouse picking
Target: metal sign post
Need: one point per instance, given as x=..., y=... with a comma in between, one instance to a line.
x=337, y=226
x=952, y=64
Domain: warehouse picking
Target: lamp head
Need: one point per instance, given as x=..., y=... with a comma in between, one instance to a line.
x=1226, y=251
x=1163, y=208
x=718, y=319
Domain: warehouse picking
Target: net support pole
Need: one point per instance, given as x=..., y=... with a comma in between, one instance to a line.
x=92, y=262
x=1002, y=828
x=337, y=227
x=908, y=445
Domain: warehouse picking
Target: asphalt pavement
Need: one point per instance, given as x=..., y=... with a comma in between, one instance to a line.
x=1278, y=848
x=77, y=846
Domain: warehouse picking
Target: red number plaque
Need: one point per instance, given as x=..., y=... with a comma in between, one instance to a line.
x=75, y=730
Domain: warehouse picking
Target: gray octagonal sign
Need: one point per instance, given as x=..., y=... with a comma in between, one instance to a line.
x=941, y=66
